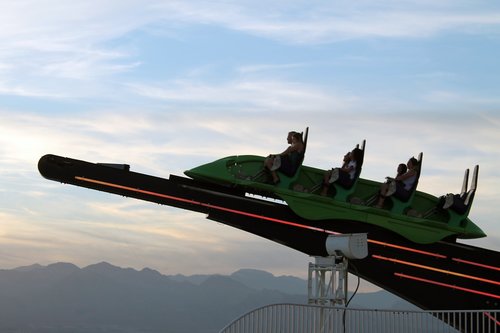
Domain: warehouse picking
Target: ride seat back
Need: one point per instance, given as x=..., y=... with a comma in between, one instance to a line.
x=472, y=191
x=287, y=180
x=400, y=205
x=343, y=193
x=467, y=196
x=413, y=188
x=359, y=164
x=459, y=211
x=304, y=136
x=470, y=197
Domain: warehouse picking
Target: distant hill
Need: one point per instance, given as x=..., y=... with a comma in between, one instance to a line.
x=104, y=298
x=257, y=279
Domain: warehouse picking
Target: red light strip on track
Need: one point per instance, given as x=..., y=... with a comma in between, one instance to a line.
x=446, y=285
x=404, y=248
x=436, y=269
x=200, y=204
x=487, y=314
x=407, y=249
x=476, y=264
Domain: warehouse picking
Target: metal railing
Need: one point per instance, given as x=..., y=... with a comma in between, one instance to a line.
x=298, y=318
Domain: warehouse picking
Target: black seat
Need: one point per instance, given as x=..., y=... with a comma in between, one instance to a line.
x=359, y=166
x=304, y=136
x=401, y=204
x=344, y=192
x=461, y=203
x=408, y=194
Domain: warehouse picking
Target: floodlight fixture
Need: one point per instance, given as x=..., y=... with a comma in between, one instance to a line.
x=351, y=246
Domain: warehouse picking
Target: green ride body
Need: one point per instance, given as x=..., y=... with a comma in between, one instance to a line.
x=301, y=194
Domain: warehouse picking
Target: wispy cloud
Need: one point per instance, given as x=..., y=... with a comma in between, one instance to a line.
x=274, y=95
x=80, y=64
x=463, y=101
x=268, y=67
x=77, y=40
x=329, y=21
x=123, y=231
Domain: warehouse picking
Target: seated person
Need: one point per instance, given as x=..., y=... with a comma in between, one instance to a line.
x=288, y=161
x=344, y=175
x=400, y=186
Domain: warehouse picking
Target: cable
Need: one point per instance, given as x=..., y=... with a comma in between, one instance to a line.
x=354, y=293
x=357, y=286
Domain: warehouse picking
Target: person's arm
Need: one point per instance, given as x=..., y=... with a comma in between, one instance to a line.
x=287, y=150
x=293, y=147
x=348, y=168
x=406, y=175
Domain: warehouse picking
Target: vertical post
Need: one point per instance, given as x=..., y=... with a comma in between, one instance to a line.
x=327, y=281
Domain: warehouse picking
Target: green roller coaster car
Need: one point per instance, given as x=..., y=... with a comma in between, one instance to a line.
x=420, y=219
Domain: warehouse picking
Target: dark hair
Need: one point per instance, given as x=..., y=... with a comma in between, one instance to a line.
x=297, y=136
x=403, y=168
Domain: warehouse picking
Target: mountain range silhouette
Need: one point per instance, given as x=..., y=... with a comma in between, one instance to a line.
x=62, y=297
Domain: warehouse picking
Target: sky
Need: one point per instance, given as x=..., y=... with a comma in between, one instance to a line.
x=168, y=85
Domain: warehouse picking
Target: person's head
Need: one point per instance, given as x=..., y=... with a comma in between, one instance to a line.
x=347, y=157
x=402, y=168
x=296, y=137
x=412, y=163
x=290, y=136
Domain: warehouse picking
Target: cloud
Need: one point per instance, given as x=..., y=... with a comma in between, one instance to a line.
x=57, y=43
x=330, y=21
x=79, y=66
x=246, y=93
x=48, y=222
x=269, y=67
x=171, y=241
x=83, y=49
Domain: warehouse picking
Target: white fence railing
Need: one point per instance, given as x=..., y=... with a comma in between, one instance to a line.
x=297, y=318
